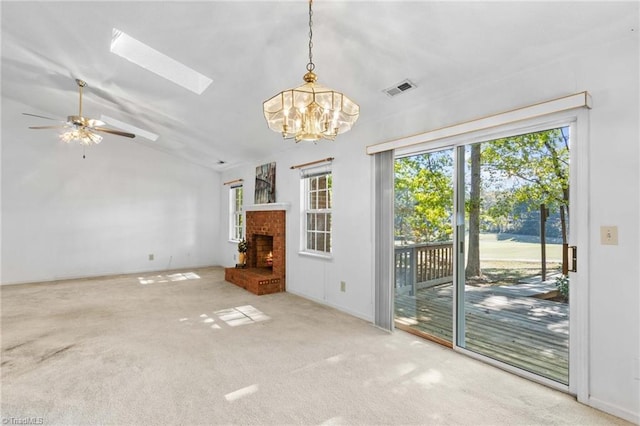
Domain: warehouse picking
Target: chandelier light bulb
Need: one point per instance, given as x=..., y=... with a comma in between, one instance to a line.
x=81, y=135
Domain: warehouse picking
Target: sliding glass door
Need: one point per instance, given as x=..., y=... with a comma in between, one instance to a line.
x=493, y=265
x=424, y=244
x=514, y=196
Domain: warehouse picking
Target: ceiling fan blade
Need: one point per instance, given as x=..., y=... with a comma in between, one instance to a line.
x=93, y=123
x=42, y=116
x=47, y=127
x=115, y=132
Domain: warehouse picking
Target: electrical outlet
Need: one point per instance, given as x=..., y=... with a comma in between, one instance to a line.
x=235, y=257
x=343, y=286
x=609, y=235
x=151, y=257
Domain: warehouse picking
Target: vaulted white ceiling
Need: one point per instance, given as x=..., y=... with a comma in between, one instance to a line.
x=252, y=50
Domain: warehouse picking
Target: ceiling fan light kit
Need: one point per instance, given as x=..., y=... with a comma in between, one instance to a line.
x=81, y=135
x=311, y=111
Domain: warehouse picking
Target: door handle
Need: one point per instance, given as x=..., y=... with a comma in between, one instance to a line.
x=565, y=259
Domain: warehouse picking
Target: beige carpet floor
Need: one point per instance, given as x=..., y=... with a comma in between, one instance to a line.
x=188, y=348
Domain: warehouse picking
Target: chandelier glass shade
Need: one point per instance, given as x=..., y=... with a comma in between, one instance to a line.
x=310, y=111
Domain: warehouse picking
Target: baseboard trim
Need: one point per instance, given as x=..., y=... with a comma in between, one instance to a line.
x=614, y=410
x=334, y=306
x=105, y=275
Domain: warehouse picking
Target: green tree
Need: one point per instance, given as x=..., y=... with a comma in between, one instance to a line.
x=530, y=169
x=424, y=197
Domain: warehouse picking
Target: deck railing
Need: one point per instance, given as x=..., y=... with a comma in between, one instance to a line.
x=422, y=265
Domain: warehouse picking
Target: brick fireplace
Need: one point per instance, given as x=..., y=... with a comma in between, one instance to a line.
x=265, y=271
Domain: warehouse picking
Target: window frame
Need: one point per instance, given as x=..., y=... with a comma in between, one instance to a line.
x=236, y=214
x=307, y=192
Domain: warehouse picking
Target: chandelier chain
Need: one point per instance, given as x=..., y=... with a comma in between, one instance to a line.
x=310, y=66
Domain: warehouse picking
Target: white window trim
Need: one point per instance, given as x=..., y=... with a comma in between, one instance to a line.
x=232, y=215
x=488, y=123
x=304, y=182
x=316, y=254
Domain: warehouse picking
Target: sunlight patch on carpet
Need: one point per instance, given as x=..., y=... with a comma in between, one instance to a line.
x=153, y=279
x=233, y=317
x=335, y=359
x=334, y=421
x=404, y=369
x=232, y=396
x=427, y=379
x=241, y=315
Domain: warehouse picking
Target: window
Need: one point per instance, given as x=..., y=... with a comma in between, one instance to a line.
x=316, y=218
x=236, y=219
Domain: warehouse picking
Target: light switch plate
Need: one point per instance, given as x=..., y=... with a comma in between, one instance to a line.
x=609, y=235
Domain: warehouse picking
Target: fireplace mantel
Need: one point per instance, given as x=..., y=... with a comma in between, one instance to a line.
x=267, y=207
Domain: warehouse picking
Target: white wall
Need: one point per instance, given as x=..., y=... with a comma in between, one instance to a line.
x=610, y=73
x=311, y=277
x=615, y=276
x=64, y=216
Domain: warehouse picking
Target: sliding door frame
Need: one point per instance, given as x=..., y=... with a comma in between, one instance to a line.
x=577, y=119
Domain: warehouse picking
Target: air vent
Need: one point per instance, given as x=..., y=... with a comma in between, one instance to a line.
x=401, y=87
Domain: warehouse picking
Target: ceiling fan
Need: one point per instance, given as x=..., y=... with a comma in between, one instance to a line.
x=81, y=129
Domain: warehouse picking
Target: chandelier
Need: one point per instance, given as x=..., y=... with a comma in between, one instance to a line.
x=311, y=111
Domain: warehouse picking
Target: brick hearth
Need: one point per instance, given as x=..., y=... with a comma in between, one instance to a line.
x=265, y=232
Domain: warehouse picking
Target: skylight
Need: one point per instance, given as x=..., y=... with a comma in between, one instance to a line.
x=129, y=128
x=150, y=59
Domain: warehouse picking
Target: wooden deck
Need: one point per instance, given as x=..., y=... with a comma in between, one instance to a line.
x=526, y=332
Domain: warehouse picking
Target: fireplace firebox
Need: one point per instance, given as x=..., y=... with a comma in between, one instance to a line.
x=262, y=253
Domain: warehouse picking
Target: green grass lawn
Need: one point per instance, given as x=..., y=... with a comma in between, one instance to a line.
x=508, y=259
x=514, y=247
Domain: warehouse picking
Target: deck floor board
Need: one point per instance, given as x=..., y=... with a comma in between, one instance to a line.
x=526, y=332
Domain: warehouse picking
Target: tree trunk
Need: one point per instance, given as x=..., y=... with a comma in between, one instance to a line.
x=563, y=225
x=473, y=249
x=564, y=214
